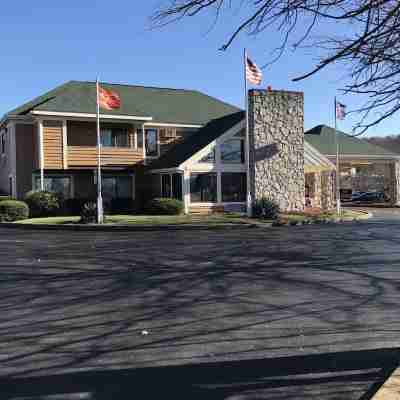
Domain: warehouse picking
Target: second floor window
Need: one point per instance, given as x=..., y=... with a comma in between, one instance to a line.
x=151, y=139
x=232, y=151
x=151, y=142
x=114, y=138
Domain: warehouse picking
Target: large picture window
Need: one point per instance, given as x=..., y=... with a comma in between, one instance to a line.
x=114, y=138
x=203, y=188
x=117, y=187
x=55, y=184
x=233, y=187
x=232, y=151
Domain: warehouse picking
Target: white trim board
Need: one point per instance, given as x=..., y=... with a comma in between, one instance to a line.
x=85, y=115
x=169, y=125
x=365, y=157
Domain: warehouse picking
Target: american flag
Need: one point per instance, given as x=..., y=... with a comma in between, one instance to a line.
x=108, y=99
x=340, y=111
x=253, y=73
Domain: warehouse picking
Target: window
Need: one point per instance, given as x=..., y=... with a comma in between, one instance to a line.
x=117, y=187
x=151, y=137
x=139, y=138
x=3, y=143
x=232, y=151
x=55, y=184
x=171, y=186
x=203, y=188
x=233, y=187
x=114, y=138
x=166, y=186
x=209, y=158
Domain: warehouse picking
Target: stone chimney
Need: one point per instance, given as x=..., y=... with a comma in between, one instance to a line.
x=276, y=133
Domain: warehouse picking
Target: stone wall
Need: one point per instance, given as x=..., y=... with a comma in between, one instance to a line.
x=276, y=132
x=321, y=188
x=328, y=196
x=395, y=183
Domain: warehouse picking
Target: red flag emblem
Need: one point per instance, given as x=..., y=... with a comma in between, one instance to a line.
x=108, y=99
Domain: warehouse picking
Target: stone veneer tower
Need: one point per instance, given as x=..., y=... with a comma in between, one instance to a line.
x=276, y=134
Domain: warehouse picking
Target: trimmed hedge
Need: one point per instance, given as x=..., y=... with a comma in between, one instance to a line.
x=164, y=206
x=13, y=210
x=43, y=204
x=265, y=208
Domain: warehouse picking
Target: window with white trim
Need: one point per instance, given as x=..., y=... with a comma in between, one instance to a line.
x=115, y=137
x=151, y=142
x=171, y=186
x=203, y=187
x=233, y=187
x=232, y=151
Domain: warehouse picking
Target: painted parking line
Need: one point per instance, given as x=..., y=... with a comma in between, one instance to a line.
x=390, y=390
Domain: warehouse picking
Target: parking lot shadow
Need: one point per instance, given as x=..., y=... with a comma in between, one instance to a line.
x=346, y=375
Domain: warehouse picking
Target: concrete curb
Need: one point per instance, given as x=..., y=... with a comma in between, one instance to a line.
x=390, y=390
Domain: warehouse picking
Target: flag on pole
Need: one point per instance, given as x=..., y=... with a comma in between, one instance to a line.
x=108, y=99
x=340, y=111
x=253, y=73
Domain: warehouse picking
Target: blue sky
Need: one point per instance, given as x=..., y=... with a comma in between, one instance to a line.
x=47, y=43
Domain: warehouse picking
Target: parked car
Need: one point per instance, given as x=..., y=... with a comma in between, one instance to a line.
x=370, y=197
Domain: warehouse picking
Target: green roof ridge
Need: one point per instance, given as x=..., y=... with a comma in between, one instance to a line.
x=322, y=137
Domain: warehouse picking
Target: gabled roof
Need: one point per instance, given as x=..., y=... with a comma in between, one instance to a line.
x=164, y=105
x=322, y=137
x=194, y=143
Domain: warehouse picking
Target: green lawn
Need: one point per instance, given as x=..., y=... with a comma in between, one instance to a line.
x=216, y=219
x=213, y=220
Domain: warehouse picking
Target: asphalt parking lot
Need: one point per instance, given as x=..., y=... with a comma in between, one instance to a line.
x=285, y=313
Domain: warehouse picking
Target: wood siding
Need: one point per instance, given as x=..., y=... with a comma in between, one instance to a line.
x=86, y=156
x=82, y=150
x=53, y=144
x=26, y=156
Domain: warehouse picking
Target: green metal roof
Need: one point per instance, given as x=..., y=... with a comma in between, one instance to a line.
x=322, y=137
x=182, y=152
x=164, y=105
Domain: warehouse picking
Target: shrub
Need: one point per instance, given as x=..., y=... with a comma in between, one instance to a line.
x=164, y=206
x=265, y=208
x=89, y=213
x=13, y=210
x=43, y=204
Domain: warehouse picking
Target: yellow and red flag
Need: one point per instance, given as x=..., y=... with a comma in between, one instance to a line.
x=108, y=99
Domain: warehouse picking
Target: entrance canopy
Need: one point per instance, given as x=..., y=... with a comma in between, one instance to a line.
x=314, y=161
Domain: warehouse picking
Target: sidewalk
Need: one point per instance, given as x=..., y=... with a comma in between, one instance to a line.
x=390, y=389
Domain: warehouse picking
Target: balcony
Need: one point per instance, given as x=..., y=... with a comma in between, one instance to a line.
x=86, y=156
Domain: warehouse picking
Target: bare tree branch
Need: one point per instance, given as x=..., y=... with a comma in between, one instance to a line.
x=367, y=41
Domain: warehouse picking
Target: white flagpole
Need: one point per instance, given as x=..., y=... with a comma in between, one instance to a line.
x=246, y=99
x=100, y=217
x=338, y=205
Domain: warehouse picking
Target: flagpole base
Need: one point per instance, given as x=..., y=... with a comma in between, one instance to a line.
x=100, y=212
